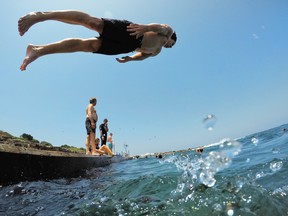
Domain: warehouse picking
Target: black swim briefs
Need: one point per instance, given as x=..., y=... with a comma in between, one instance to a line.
x=116, y=39
x=89, y=126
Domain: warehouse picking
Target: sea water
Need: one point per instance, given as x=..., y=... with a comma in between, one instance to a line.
x=247, y=176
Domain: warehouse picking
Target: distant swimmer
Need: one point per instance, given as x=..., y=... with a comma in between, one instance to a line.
x=199, y=150
x=115, y=36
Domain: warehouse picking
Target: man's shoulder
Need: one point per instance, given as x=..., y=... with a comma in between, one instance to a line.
x=89, y=106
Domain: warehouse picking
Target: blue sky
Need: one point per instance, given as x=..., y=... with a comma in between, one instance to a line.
x=230, y=60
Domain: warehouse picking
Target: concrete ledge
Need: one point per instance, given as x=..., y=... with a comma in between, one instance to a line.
x=24, y=164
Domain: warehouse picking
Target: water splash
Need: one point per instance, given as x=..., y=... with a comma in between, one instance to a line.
x=255, y=141
x=209, y=121
x=207, y=178
x=259, y=174
x=203, y=169
x=275, y=150
x=276, y=165
x=230, y=147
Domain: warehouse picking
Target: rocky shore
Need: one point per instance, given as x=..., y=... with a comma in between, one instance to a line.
x=26, y=144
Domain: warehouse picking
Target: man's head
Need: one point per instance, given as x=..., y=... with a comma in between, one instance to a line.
x=93, y=101
x=172, y=40
x=174, y=36
x=105, y=120
x=199, y=150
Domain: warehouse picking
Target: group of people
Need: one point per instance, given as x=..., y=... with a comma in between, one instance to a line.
x=92, y=143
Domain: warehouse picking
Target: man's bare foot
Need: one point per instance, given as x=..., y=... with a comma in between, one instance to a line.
x=31, y=55
x=25, y=22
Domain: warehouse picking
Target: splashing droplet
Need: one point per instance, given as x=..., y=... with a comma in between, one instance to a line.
x=230, y=212
x=230, y=147
x=275, y=166
x=209, y=121
x=254, y=140
x=207, y=178
x=275, y=150
x=259, y=174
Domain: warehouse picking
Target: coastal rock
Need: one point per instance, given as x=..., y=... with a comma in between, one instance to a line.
x=11, y=143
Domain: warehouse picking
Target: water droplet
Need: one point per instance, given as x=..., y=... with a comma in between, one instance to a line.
x=275, y=166
x=216, y=161
x=275, y=150
x=230, y=147
x=209, y=122
x=239, y=183
x=254, y=140
x=207, y=178
x=259, y=174
x=230, y=212
x=217, y=207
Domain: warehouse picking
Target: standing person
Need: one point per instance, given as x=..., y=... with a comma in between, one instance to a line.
x=103, y=131
x=110, y=141
x=116, y=36
x=90, y=123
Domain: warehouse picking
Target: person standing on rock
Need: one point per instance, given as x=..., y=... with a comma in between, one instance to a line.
x=90, y=123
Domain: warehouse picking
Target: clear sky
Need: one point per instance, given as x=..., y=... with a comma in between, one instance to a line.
x=230, y=60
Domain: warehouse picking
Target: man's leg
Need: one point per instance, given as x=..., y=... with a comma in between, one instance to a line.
x=66, y=16
x=88, y=145
x=92, y=142
x=65, y=46
x=104, y=140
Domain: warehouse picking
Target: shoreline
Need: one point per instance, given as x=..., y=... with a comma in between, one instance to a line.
x=12, y=144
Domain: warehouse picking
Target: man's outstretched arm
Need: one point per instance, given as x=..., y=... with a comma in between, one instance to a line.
x=139, y=30
x=139, y=56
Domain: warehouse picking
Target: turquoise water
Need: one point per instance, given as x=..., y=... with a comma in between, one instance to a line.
x=243, y=177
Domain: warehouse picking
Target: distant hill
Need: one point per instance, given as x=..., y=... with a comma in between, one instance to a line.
x=27, y=141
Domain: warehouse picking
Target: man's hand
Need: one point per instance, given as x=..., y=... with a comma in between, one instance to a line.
x=137, y=30
x=124, y=59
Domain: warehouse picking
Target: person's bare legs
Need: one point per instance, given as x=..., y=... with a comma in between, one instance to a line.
x=88, y=145
x=65, y=46
x=66, y=16
x=92, y=143
x=106, y=149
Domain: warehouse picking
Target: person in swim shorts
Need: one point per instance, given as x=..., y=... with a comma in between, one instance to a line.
x=90, y=123
x=116, y=37
x=110, y=141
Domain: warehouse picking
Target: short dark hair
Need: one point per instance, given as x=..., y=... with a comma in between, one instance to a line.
x=92, y=100
x=174, y=36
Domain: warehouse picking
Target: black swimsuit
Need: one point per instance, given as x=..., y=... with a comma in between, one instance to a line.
x=116, y=39
x=88, y=125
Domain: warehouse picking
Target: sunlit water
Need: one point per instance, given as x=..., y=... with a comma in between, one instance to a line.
x=243, y=177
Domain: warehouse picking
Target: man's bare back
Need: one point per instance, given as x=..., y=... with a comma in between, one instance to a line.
x=155, y=36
